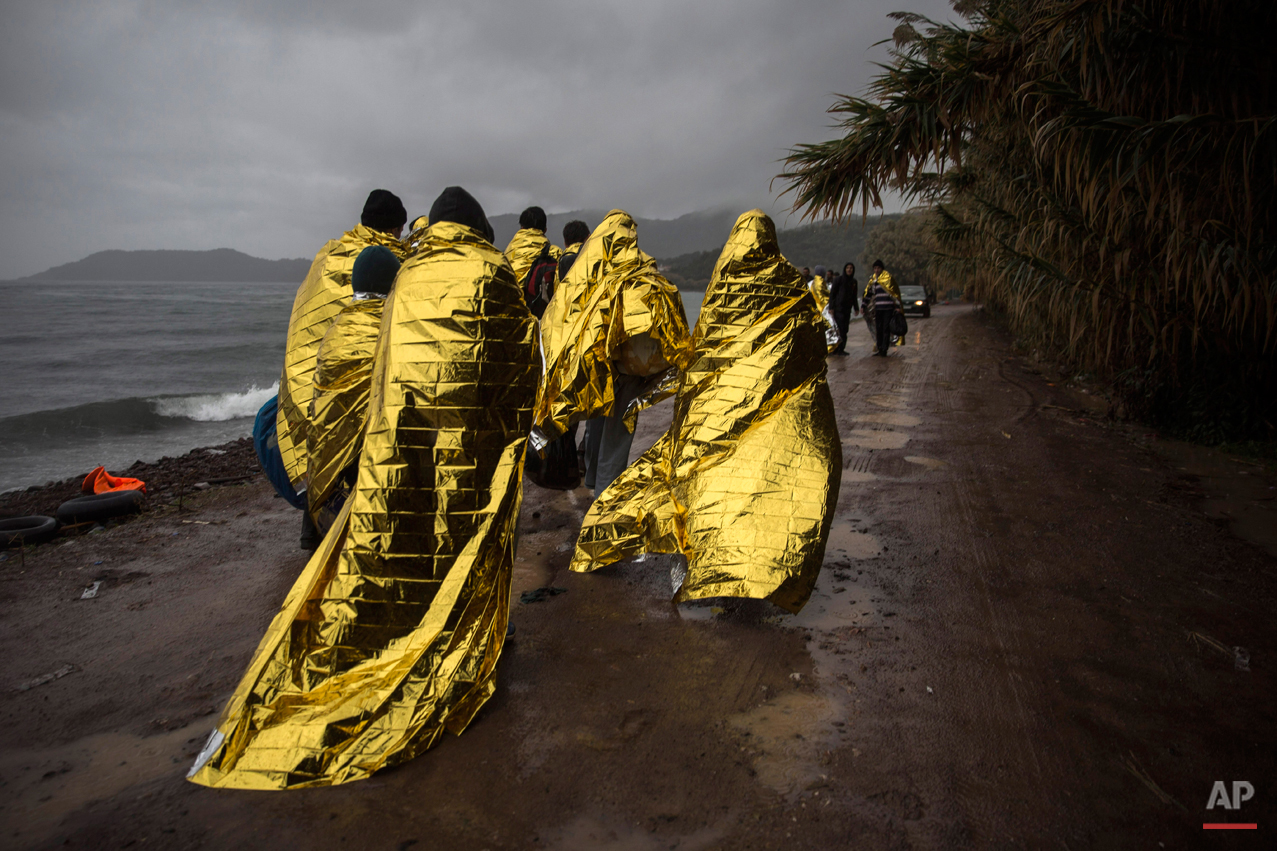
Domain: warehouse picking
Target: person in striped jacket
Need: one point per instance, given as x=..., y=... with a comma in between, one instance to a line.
x=882, y=296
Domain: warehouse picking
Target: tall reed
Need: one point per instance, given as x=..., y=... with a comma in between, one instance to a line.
x=1103, y=173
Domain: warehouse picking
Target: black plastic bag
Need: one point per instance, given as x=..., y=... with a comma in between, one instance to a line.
x=899, y=326
x=559, y=469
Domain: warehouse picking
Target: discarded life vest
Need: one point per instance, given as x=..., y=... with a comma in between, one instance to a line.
x=100, y=481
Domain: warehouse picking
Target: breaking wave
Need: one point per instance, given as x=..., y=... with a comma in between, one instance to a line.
x=52, y=430
x=215, y=408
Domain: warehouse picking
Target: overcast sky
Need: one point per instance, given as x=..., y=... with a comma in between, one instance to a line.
x=262, y=126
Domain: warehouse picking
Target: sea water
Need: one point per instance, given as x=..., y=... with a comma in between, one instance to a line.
x=111, y=373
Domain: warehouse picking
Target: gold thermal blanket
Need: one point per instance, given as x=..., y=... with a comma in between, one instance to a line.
x=319, y=299
x=612, y=311
x=819, y=287
x=883, y=278
x=745, y=482
x=820, y=291
x=339, y=408
x=525, y=247
x=391, y=634
x=416, y=235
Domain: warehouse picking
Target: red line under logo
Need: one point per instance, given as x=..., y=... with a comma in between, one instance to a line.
x=1230, y=827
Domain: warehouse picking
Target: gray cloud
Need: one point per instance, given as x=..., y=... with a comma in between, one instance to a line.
x=262, y=126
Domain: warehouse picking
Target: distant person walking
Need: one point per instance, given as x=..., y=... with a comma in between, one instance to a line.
x=561, y=466
x=883, y=297
x=530, y=251
x=842, y=299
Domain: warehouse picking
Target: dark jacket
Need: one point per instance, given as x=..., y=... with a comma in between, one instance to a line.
x=842, y=298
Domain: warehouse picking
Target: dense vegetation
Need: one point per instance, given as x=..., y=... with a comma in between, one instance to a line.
x=1103, y=174
x=822, y=244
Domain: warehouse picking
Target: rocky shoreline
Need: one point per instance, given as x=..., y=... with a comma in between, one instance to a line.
x=167, y=480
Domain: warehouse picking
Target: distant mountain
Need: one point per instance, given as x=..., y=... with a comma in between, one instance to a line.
x=659, y=237
x=220, y=264
x=691, y=243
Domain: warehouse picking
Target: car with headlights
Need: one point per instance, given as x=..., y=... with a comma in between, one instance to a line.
x=915, y=300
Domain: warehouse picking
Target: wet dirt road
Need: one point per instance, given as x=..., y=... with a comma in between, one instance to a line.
x=1024, y=636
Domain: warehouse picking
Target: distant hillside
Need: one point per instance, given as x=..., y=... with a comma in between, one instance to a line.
x=691, y=242
x=658, y=237
x=220, y=264
x=820, y=244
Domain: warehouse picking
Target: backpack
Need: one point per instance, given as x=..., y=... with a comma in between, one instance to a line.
x=266, y=442
x=538, y=284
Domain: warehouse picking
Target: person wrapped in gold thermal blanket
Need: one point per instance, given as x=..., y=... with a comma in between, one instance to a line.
x=745, y=482
x=392, y=633
x=529, y=243
x=881, y=301
x=320, y=298
x=343, y=374
x=614, y=327
x=819, y=287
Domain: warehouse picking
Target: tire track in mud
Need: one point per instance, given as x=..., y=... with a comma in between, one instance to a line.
x=852, y=606
x=862, y=670
x=984, y=698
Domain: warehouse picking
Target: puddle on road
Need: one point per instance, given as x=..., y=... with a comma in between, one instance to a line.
x=45, y=785
x=786, y=736
x=531, y=568
x=845, y=539
x=1237, y=490
x=888, y=418
x=886, y=400
x=929, y=463
x=865, y=438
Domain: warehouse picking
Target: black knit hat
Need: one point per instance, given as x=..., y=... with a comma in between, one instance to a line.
x=455, y=204
x=878, y=264
x=383, y=211
x=374, y=271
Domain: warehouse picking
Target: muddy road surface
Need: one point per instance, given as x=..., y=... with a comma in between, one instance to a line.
x=1032, y=630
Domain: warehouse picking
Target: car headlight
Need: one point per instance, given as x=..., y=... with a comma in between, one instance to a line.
x=918, y=303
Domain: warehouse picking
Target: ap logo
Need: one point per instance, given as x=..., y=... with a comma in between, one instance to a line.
x=1242, y=791
x=1219, y=797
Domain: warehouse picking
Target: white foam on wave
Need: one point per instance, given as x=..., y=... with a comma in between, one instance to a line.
x=216, y=408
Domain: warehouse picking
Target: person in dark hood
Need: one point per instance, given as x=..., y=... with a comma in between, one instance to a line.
x=843, y=296
x=455, y=204
x=319, y=300
x=384, y=211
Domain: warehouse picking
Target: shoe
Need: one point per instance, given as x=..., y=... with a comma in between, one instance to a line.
x=310, y=537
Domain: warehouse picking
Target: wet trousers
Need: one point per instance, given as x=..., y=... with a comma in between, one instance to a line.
x=882, y=328
x=843, y=321
x=607, y=441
